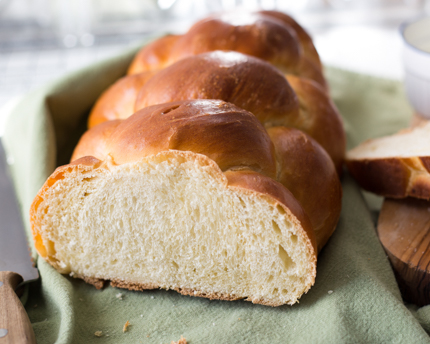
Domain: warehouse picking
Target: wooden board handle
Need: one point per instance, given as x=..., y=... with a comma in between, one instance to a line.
x=15, y=326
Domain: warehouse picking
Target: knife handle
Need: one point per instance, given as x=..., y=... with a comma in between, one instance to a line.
x=15, y=326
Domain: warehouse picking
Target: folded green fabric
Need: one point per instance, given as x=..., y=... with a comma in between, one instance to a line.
x=355, y=298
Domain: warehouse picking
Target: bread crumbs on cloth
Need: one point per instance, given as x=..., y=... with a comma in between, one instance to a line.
x=180, y=341
x=126, y=325
x=98, y=333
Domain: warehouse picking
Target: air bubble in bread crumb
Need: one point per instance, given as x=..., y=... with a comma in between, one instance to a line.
x=330, y=292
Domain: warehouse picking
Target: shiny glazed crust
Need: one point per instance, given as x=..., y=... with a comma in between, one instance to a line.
x=118, y=101
x=393, y=177
x=305, y=169
x=251, y=84
x=271, y=36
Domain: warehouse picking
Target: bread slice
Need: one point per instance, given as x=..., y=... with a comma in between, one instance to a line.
x=395, y=166
x=185, y=199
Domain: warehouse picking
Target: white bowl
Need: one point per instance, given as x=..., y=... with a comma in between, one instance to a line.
x=416, y=60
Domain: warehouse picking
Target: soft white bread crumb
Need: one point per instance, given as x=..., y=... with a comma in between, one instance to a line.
x=174, y=223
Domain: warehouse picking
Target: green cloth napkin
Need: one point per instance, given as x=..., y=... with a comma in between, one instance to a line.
x=355, y=298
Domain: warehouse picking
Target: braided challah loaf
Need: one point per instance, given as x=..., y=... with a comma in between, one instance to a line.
x=209, y=188
x=185, y=196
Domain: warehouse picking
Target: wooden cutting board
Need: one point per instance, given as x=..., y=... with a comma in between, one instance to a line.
x=404, y=231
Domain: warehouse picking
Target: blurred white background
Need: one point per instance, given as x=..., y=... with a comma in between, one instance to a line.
x=43, y=39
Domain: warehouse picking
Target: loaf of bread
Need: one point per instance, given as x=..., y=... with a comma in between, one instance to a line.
x=395, y=166
x=212, y=173
x=183, y=196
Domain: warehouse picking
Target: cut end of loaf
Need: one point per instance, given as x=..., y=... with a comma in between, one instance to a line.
x=189, y=230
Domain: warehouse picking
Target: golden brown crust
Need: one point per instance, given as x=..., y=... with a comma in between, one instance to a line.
x=118, y=101
x=270, y=36
x=98, y=283
x=245, y=81
x=93, y=142
x=372, y=176
x=393, y=177
x=255, y=86
x=227, y=134
x=305, y=169
x=248, y=33
x=87, y=160
x=304, y=38
x=154, y=56
x=133, y=286
x=307, y=69
x=210, y=296
x=251, y=34
x=319, y=118
x=426, y=162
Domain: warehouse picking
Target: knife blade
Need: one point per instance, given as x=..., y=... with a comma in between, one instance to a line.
x=16, y=265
